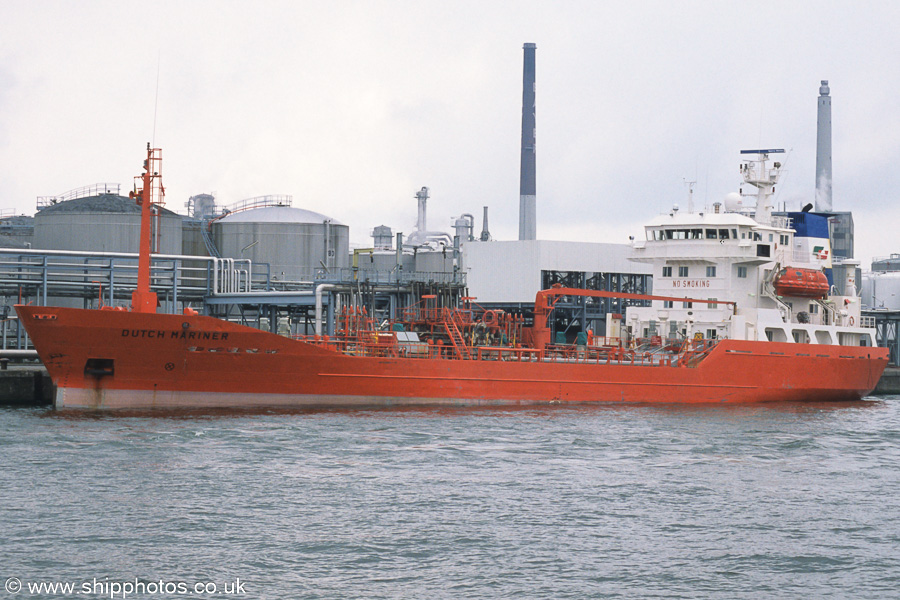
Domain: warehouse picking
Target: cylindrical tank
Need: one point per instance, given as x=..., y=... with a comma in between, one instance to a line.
x=892, y=263
x=19, y=230
x=298, y=244
x=383, y=238
x=463, y=226
x=202, y=205
x=881, y=290
x=11, y=242
x=105, y=223
x=192, y=243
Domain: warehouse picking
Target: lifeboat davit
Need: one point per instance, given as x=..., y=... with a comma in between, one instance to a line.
x=805, y=283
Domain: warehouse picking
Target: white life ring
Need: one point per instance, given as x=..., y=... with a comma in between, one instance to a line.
x=851, y=321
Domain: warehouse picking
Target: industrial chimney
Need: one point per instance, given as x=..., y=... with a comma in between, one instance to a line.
x=823, y=152
x=527, y=180
x=485, y=233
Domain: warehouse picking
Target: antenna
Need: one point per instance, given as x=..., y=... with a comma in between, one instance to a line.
x=690, y=186
x=785, y=173
x=156, y=99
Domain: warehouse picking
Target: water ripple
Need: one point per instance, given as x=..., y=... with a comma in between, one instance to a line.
x=773, y=501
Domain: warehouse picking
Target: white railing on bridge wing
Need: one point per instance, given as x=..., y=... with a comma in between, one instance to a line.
x=867, y=322
x=781, y=222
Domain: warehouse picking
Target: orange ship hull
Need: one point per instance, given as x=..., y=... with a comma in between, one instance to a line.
x=117, y=359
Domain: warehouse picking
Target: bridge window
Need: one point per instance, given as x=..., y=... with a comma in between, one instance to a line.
x=683, y=271
x=667, y=272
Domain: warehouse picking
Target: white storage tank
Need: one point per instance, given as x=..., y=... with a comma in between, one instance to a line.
x=104, y=223
x=298, y=244
x=881, y=290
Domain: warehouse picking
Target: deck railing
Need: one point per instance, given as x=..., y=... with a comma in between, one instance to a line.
x=385, y=344
x=94, y=189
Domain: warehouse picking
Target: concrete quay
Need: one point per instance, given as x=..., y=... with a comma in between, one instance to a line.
x=26, y=385
x=889, y=383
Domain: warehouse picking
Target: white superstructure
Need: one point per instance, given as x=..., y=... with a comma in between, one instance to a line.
x=752, y=266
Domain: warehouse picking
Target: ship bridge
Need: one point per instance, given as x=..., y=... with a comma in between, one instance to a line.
x=716, y=238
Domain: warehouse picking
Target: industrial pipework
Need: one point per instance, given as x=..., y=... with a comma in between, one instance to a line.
x=421, y=235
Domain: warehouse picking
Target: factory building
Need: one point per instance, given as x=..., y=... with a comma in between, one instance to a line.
x=508, y=275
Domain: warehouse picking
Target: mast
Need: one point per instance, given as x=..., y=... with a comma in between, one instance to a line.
x=142, y=299
x=764, y=179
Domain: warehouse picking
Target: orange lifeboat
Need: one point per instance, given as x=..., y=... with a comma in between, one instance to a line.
x=805, y=283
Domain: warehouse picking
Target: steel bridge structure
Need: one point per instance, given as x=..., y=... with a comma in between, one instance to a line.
x=887, y=326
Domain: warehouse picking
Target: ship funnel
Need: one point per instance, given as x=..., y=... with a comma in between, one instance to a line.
x=527, y=173
x=823, y=151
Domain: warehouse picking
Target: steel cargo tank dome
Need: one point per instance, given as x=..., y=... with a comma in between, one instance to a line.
x=103, y=223
x=298, y=244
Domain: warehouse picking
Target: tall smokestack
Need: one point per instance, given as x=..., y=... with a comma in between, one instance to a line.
x=422, y=198
x=485, y=233
x=527, y=179
x=823, y=151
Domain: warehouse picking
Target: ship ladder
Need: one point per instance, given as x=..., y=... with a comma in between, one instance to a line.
x=456, y=337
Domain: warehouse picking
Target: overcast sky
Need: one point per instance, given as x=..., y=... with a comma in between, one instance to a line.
x=353, y=106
